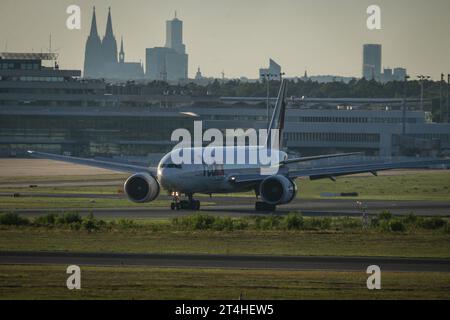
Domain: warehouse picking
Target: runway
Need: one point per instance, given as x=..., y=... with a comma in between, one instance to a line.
x=24, y=173
x=244, y=206
x=228, y=261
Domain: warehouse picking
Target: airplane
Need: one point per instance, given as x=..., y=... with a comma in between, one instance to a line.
x=145, y=184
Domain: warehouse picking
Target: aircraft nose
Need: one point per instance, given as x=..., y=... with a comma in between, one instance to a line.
x=165, y=177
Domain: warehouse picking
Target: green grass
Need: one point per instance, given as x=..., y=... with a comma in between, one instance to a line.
x=384, y=235
x=418, y=186
x=101, y=190
x=8, y=203
x=68, y=190
x=49, y=282
x=62, y=178
x=151, y=240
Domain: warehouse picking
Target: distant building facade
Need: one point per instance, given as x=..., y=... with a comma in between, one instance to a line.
x=387, y=75
x=198, y=75
x=399, y=74
x=101, y=58
x=372, y=57
x=372, y=61
x=128, y=70
x=203, y=81
x=273, y=72
x=169, y=63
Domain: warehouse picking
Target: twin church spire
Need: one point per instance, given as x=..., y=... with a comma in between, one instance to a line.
x=109, y=30
x=109, y=44
x=101, y=55
x=94, y=32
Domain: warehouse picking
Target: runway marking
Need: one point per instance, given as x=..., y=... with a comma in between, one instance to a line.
x=324, y=263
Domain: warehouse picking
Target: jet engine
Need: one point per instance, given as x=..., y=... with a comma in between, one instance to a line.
x=277, y=190
x=141, y=187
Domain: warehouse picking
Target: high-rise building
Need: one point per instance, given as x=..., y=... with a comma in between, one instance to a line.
x=169, y=63
x=273, y=72
x=399, y=74
x=387, y=75
x=174, y=35
x=372, y=62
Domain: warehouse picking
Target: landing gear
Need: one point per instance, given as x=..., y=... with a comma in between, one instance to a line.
x=190, y=204
x=264, y=207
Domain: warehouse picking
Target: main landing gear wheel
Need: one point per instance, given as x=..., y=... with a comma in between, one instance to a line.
x=190, y=204
x=264, y=207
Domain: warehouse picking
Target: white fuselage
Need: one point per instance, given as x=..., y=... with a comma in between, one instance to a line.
x=213, y=178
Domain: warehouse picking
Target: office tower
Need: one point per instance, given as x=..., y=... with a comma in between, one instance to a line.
x=174, y=35
x=273, y=72
x=372, y=61
x=169, y=63
x=399, y=74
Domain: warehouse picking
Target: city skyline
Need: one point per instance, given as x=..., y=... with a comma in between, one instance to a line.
x=320, y=37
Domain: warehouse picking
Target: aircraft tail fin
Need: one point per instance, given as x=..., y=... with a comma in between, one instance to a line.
x=278, y=116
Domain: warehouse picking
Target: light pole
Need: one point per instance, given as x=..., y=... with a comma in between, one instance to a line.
x=448, y=101
x=405, y=85
x=365, y=218
x=441, y=109
x=422, y=78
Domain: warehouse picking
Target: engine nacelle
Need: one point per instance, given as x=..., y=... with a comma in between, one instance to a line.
x=141, y=187
x=277, y=190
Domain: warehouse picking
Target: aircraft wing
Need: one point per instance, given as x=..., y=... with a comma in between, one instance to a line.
x=327, y=156
x=110, y=165
x=319, y=173
x=332, y=172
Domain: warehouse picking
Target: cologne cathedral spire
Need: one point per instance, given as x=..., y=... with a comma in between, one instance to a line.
x=94, y=32
x=109, y=46
x=93, y=52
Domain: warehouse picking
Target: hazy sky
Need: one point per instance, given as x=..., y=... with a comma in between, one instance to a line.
x=239, y=36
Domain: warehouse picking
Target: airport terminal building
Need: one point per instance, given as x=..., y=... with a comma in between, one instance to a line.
x=48, y=109
x=323, y=131
x=53, y=110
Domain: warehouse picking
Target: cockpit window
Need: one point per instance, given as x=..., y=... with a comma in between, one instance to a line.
x=171, y=165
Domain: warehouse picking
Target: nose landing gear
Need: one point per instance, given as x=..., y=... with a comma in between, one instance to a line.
x=190, y=204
